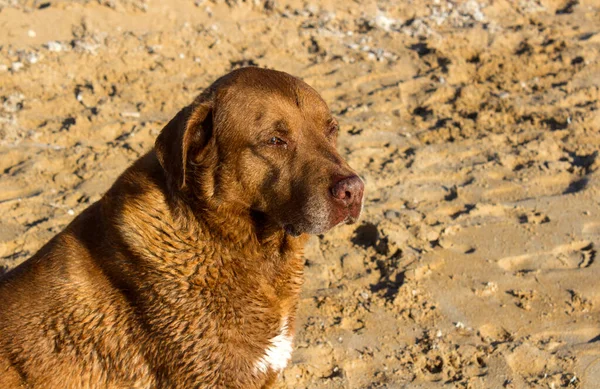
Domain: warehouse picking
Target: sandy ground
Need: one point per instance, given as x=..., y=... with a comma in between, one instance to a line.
x=475, y=124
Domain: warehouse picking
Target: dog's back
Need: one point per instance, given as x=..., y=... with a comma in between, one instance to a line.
x=62, y=321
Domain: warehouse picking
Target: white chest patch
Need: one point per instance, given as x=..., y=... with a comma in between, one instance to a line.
x=279, y=352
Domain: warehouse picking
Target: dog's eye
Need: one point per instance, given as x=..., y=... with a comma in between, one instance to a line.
x=275, y=141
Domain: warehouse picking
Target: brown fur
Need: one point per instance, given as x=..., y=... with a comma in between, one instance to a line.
x=180, y=275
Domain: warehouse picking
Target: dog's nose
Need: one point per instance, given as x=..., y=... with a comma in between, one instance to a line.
x=348, y=190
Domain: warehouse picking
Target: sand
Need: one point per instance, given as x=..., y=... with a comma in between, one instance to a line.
x=475, y=124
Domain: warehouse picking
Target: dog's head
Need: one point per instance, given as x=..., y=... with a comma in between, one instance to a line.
x=264, y=141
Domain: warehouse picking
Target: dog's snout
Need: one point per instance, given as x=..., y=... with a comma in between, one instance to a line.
x=348, y=190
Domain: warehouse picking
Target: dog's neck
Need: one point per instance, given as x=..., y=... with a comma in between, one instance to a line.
x=233, y=225
x=238, y=226
x=232, y=221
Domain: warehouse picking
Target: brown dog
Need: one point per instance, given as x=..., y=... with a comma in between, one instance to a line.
x=186, y=274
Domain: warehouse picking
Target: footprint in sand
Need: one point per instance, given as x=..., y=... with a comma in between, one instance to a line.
x=575, y=255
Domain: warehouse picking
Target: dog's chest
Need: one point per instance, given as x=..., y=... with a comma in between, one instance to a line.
x=278, y=351
x=244, y=318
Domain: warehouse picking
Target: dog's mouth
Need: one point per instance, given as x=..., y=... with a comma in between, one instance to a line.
x=321, y=215
x=298, y=229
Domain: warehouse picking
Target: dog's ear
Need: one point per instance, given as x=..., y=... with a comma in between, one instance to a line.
x=184, y=137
